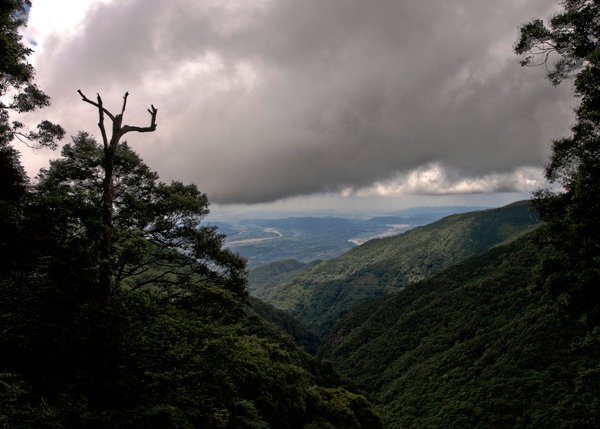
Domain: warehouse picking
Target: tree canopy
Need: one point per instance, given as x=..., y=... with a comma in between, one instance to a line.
x=158, y=236
x=18, y=92
x=568, y=46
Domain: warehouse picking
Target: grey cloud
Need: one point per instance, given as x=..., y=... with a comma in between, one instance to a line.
x=345, y=93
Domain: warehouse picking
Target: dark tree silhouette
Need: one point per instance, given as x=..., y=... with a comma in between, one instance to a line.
x=118, y=130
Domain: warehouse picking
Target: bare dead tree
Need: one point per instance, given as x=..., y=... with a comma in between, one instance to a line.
x=118, y=130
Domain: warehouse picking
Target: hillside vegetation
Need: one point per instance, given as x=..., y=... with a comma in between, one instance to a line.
x=262, y=279
x=323, y=294
x=286, y=323
x=472, y=347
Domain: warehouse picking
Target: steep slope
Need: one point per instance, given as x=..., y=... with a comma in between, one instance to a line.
x=286, y=323
x=470, y=347
x=195, y=357
x=264, y=278
x=320, y=296
x=182, y=354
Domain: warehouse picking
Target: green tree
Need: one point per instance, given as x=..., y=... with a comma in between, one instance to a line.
x=57, y=330
x=569, y=270
x=568, y=46
x=13, y=186
x=18, y=92
x=158, y=237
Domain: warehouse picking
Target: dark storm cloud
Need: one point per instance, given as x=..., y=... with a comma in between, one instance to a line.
x=268, y=99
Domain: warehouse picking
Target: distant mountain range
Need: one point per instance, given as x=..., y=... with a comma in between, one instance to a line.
x=305, y=239
x=319, y=295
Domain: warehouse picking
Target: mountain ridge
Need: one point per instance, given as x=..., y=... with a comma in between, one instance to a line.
x=321, y=295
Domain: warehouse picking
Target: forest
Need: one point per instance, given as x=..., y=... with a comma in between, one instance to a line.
x=121, y=308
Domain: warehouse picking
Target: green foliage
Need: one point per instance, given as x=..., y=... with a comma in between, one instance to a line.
x=18, y=92
x=13, y=14
x=340, y=408
x=323, y=294
x=300, y=334
x=262, y=279
x=472, y=347
x=197, y=358
x=570, y=268
x=19, y=409
x=13, y=185
x=154, y=222
x=13, y=179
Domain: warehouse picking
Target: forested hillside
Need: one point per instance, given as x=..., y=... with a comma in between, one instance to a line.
x=321, y=295
x=176, y=346
x=263, y=279
x=471, y=347
x=510, y=338
x=299, y=333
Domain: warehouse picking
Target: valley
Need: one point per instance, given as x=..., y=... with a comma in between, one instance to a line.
x=306, y=239
x=320, y=294
x=439, y=326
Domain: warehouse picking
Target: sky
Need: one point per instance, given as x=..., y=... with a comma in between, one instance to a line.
x=313, y=104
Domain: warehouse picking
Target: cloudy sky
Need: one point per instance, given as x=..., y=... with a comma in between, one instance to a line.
x=311, y=103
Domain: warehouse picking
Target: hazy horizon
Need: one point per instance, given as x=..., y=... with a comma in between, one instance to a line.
x=362, y=207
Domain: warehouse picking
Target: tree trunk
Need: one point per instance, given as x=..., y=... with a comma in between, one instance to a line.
x=108, y=196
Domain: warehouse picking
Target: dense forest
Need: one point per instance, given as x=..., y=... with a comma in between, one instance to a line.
x=472, y=347
x=120, y=308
